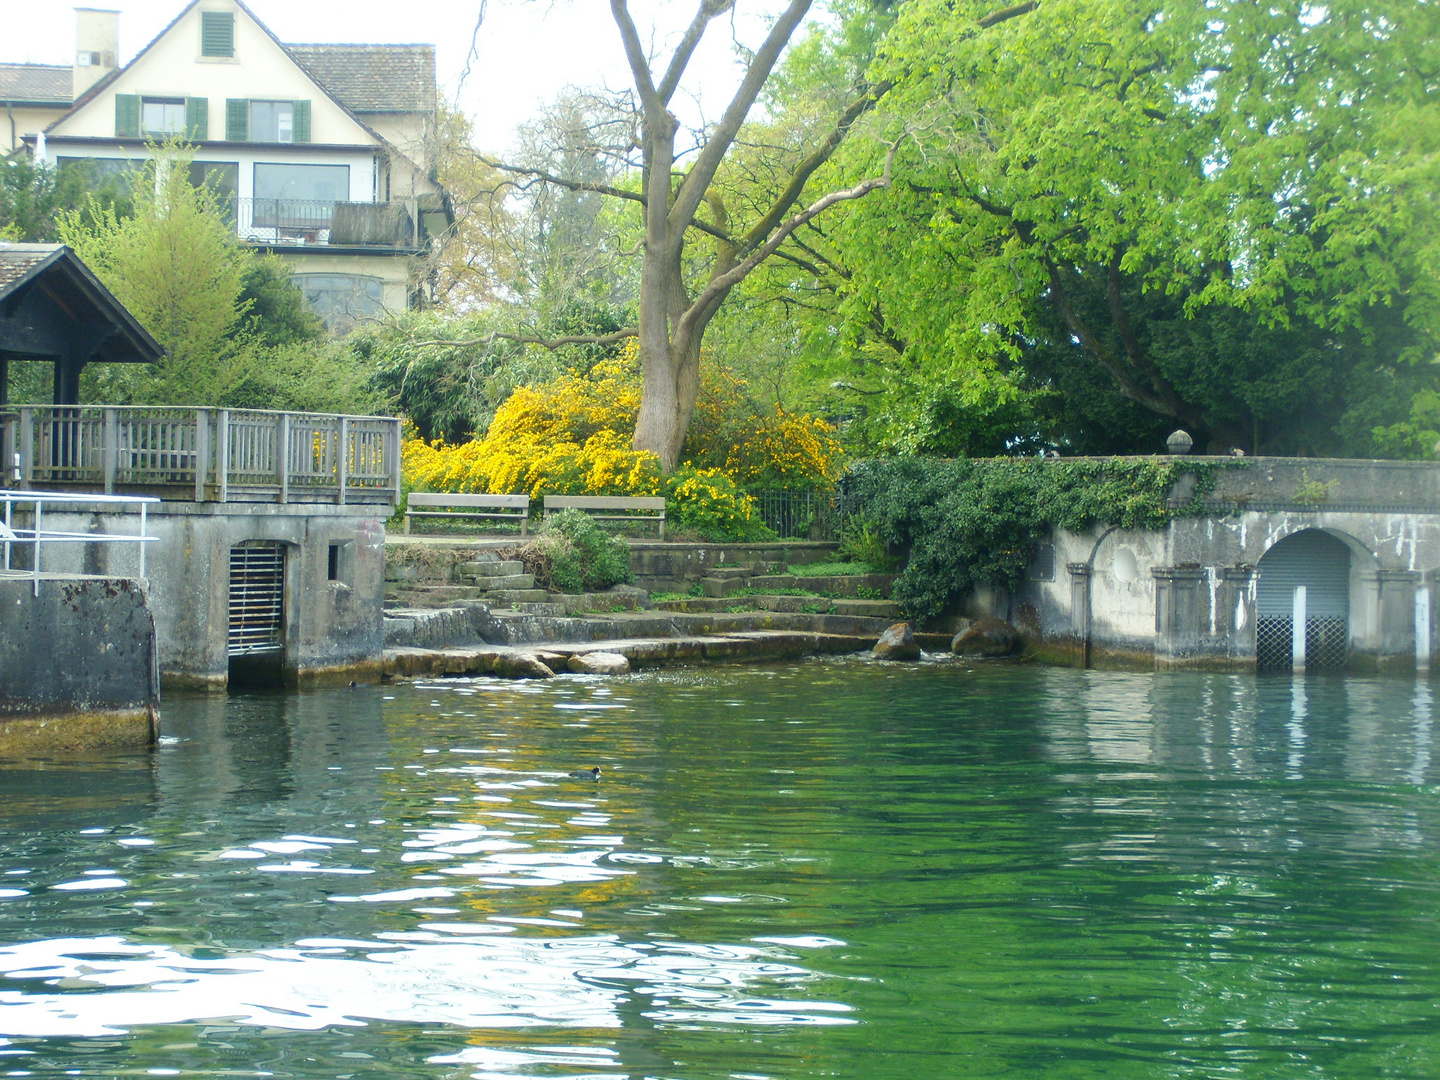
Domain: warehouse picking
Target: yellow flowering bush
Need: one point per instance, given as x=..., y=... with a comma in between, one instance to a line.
x=572, y=437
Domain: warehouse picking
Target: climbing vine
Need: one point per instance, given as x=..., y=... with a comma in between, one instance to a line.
x=969, y=521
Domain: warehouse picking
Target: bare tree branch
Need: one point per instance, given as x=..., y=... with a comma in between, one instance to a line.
x=692, y=191
x=549, y=343
x=708, y=10
x=995, y=18
x=542, y=176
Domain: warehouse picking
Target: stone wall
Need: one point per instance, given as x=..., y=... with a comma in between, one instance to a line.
x=78, y=664
x=333, y=628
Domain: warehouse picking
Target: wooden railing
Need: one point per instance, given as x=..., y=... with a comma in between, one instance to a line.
x=204, y=455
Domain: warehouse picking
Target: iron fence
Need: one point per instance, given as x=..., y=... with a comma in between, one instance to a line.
x=803, y=515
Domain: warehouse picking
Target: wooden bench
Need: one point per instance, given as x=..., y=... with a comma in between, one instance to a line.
x=589, y=503
x=518, y=507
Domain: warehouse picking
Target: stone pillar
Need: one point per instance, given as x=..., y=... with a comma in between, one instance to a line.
x=1080, y=611
x=1181, y=607
x=1235, y=619
x=1397, y=618
x=1429, y=634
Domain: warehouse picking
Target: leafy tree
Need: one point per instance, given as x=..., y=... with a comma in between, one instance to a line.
x=1218, y=216
x=276, y=313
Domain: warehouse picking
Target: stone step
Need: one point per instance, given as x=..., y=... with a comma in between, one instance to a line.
x=549, y=610
x=838, y=585
x=490, y=568
x=432, y=595
x=874, y=609
x=714, y=586
x=507, y=581
x=510, y=597
x=727, y=572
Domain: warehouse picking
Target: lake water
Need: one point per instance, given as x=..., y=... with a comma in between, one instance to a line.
x=835, y=868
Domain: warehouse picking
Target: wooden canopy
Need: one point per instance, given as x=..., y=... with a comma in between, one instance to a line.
x=53, y=308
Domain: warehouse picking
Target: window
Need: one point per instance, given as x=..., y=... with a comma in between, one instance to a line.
x=339, y=568
x=299, y=196
x=217, y=33
x=342, y=300
x=272, y=121
x=223, y=180
x=162, y=116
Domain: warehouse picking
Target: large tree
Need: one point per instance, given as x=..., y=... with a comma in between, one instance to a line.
x=679, y=204
x=1219, y=216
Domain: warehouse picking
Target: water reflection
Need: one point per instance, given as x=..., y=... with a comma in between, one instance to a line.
x=829, y=868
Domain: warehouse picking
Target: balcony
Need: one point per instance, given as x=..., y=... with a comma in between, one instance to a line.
x=203, y=455
x=297, y=223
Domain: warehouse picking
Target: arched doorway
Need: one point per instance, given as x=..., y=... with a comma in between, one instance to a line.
x=255, y=637
x=1307, y=574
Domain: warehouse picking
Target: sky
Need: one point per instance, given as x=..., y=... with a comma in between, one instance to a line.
x=527, y=51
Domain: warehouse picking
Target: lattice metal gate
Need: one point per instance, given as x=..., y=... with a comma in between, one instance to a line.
x=257, y=599
x=1320, y=563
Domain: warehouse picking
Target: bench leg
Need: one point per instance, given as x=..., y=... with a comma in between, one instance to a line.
x=662, y=528
x=407, y=523
x=524, y=524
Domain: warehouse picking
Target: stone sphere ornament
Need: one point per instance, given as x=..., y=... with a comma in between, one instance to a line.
x=1179, y=442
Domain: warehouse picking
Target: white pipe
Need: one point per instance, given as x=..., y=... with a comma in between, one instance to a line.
x=1297, y=631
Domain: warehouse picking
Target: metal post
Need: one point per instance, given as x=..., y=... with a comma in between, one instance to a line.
x=395, y=455
x=282, y=457
x=1422, y=629
x=143, y=534
x=344, y=458
x=110, y=453
x=35, y=567
x=1297, y=631
x=202, y=451
x=9, y=456
x=26, y=449
x=8, y=529
x=222, y=456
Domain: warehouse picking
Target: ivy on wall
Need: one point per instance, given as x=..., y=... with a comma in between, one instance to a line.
x=969, y=522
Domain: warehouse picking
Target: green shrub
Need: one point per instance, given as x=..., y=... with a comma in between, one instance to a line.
x=967, y=522
x=861, y=542
x=573, y=554
x=710, y=504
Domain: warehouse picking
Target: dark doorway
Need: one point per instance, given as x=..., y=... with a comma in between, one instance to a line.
x=256, y=638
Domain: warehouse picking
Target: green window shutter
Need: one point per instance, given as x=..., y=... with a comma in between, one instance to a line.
x=217, y=33
x=237, y=119
x=197, y=119
x=300, y=120
x=127, y=116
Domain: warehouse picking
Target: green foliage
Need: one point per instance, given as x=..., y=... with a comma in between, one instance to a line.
x=276, y=311
x=178, y=267
x=712, y=506
x=581, y=555
x=34, y=195
x=968, y=522
x=861, y=542
x=849, y=568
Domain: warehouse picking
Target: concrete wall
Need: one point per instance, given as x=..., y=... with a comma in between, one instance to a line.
x=1185, y=596
x=78, y=664
x=333, y=629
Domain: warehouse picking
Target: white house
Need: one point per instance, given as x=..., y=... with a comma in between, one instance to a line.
x=320, y=151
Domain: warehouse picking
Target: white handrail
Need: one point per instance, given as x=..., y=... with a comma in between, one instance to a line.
x=38, y=535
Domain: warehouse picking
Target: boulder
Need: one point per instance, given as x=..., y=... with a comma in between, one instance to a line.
x=521, y=666
x=897, y=643
x=599, y=663
x=986, y=637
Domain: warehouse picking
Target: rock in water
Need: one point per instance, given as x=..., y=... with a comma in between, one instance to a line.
x=521, y=666
x=986, y=637
x=599, y=663
x=897, y=643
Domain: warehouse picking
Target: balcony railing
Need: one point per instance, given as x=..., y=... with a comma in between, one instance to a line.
x=204, y=455
x=327, y=223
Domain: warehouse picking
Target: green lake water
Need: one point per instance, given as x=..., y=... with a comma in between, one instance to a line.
x=835, y=868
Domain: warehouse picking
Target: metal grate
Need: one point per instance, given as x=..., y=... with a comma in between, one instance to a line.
x=1326, y=643
x=1274, y=643
x=257, y=599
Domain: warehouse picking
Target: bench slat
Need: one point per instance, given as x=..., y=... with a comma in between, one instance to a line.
x=429, y=498
x=604, y=502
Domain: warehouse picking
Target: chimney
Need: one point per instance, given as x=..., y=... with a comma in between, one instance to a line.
x=97, y=46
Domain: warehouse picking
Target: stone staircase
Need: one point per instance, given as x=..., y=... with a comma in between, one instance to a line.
x=741, y=587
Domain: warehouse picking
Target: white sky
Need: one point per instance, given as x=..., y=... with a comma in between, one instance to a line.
x=528, y=50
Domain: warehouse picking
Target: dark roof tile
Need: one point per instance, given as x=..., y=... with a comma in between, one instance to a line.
x=374, y=78
x=49, y=83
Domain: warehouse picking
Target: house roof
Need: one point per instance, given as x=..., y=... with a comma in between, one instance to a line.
x=67, y=283
x=373, y=78
x=40, y=84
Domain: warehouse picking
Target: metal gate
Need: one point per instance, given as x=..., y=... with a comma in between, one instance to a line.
x=1320, y=564
x=257, y=598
